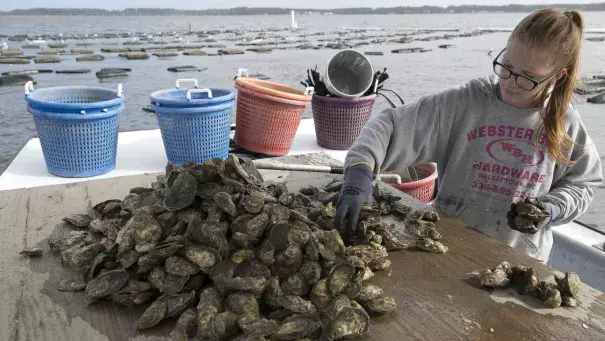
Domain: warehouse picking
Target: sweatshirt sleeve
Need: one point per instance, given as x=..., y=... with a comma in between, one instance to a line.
x=573, y=192
x=414, y=133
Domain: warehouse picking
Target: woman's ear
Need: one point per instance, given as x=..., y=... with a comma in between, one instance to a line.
x=562, y=74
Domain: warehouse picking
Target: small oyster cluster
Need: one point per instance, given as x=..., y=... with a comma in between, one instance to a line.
x=234, y=259
x=525, y=281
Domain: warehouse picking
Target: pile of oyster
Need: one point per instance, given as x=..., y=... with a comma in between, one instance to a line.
x=234, y=259
x=525, y=281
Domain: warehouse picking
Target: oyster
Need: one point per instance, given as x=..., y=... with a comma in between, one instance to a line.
x=31, y=252
x=182, y=192
x=185, y=325
x=524, y=280
x=253, y=203
x=295, y=285
x=350, y=322
x=379, y=264
x=78, y=220
x=223, y=326
x=132, y=300
x=288, y=262
x=71, y=285
x=430, y=216
x=242, y=303
x=204, y=257
x=297, y=304
x=210, y=304
x=251, y=325
x=173, y=284
x=320, y=296
x=105, y=284
x=369, y=292
x=144, y=230
x=178, y=266
x=420, y=228
x=156, y=277
x=549, y=294
x=381, y=305
x=272, y=292
x=430, y=245
x=340, y=276
x=225, y=203
x=569, y=285
x=311, y=271
x=153, y=315
x=494, y=279
x=176, y=304
x=296, y=327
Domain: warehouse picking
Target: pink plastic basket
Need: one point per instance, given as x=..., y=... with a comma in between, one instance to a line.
x=338, y=121
x=422, y=189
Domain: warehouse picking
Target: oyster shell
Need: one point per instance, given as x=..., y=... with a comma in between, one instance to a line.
x=252, y=325
x=524, y=280
x=297, y=304
x=296, y=327
x=78, y=220
x=153, y=315
x=311, y=271
x=381, y=305
x=204, y=257
x=185, y=325
x=340, y=276
x=369, y=292
x=350, y=322
x=430, y=245
x=549, y=294
x=223, y=326
x=179, y=266
x=71, y=285
x=31, y=252
x=568, y=301
x=225, y=203
x=182, y=192
x=242, y=303
x=174, y=284
x=420, y=228
x=295, y=285
x=105, y=284
x=254, y=203
x=569, y=285
x=494, y=279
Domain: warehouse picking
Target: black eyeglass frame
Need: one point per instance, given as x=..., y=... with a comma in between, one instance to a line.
x=534, y=82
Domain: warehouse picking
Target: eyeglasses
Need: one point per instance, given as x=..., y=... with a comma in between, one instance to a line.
x=523, y=82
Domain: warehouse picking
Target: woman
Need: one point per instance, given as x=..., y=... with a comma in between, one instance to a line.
x=513, y=154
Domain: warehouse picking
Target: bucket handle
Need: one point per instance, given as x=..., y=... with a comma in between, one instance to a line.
x=243, y=71
x=120, y=90
x=195, y=91
x=309, y=91
x=188, y=80
x=29, y=86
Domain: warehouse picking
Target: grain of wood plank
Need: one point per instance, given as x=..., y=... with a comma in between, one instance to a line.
x=435, y=300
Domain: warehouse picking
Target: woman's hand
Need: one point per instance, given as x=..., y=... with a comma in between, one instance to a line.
x=355, y=192
x=529, y=216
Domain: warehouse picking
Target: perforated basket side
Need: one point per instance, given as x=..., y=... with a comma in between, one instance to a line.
x=195, y=137
x=264, y=125
x=338, y=122
x=76, y=148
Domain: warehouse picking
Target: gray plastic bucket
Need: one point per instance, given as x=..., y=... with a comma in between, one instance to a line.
x=349, y=74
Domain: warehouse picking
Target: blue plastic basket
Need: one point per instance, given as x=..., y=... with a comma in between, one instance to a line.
x=77, y=127
x=194, y=123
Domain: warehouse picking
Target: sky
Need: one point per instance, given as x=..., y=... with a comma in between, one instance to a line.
x=7, y=5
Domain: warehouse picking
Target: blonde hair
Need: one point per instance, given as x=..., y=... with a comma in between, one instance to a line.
x=559, y=35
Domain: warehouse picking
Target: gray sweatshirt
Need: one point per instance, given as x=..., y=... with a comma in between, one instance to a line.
x=487, y=159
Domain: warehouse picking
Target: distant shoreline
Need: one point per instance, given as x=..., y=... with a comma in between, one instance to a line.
x=299, y=11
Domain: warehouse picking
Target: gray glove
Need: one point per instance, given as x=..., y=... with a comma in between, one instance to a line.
x=529, y=216
x=355, y=192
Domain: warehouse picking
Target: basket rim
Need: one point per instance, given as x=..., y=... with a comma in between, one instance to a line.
x=271, y=98
x=31, y=98
x=369, y=98
x=161, y=110
x=431, y=170
x=273, y=89
x=193, y=102
x=116, y=110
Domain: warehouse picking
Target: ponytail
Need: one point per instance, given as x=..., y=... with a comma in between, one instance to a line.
x=560, y=35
